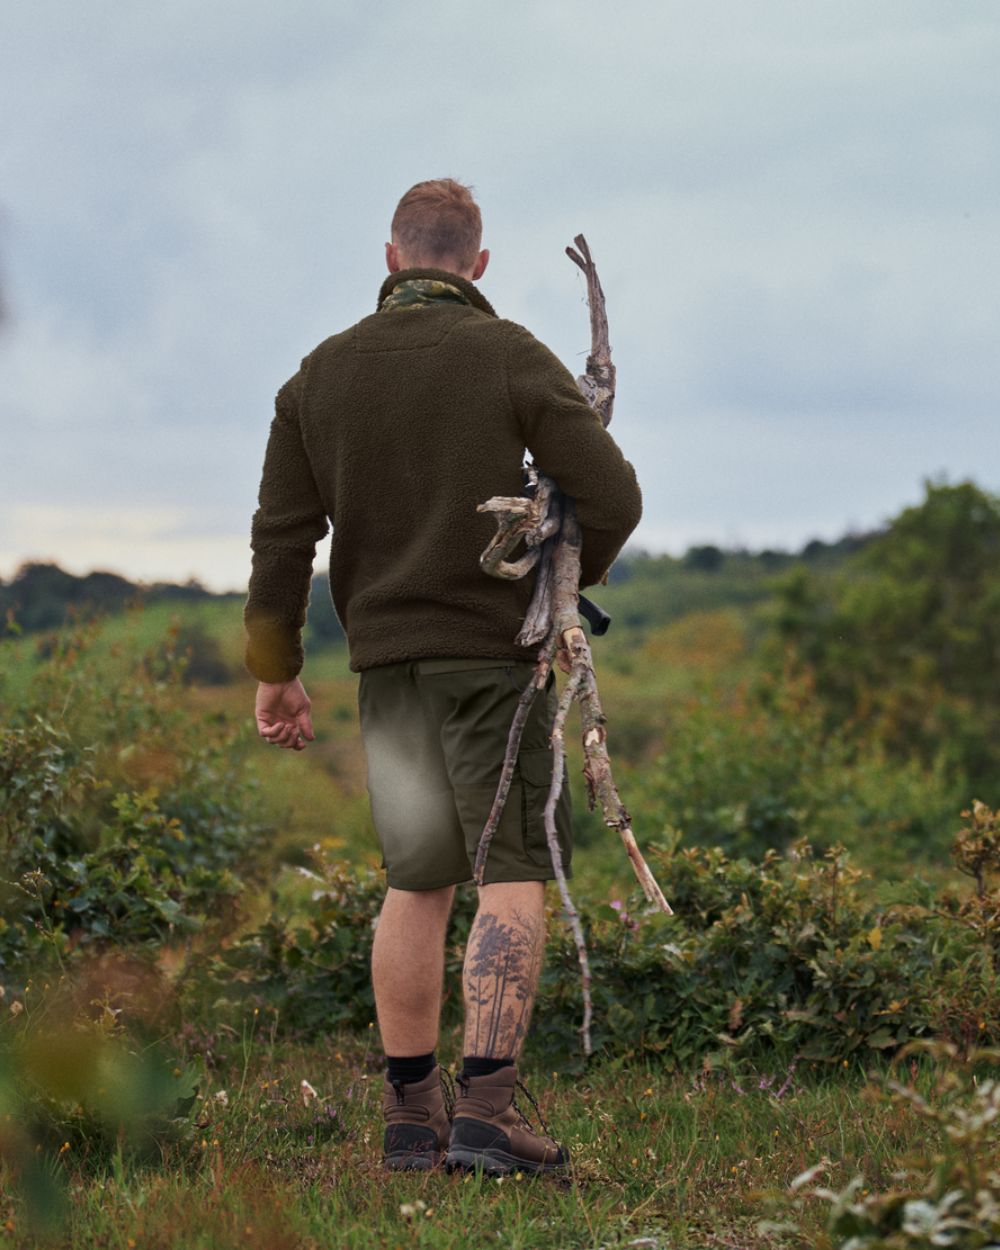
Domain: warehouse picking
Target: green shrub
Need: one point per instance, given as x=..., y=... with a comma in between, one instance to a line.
x=123, y=818
x=754, y=769
x=787, y=956
x=318, y=974
x=204, y=662
x=792, y=957
x=946, y=1195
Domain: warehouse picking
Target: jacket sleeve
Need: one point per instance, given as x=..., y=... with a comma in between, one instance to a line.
x=568, y=442
x=289, y=522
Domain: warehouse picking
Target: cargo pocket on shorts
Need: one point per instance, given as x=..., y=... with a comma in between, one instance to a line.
x=535, y=766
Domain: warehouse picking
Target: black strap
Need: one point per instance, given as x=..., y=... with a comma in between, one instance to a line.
x=596, y=617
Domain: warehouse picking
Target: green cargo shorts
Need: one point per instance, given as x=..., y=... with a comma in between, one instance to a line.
x=435, y=733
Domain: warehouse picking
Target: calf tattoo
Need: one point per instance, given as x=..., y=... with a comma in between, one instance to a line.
x=501, y=972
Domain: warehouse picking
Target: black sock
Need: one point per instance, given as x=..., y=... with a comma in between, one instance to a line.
x=474, y=1065
x=410, y=1068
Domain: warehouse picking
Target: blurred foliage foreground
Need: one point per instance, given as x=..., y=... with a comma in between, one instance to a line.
x=135, y=857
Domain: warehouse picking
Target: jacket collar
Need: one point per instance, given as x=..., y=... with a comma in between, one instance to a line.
x=468, y=289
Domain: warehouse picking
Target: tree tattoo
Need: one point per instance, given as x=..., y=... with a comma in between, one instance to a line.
x=501, y=972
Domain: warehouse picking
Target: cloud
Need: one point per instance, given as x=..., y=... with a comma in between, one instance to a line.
x=794, y=209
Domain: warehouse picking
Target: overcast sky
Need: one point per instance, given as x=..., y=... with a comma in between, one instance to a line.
x=794, y=206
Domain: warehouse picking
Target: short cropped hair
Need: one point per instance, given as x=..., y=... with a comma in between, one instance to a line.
x=438, y=221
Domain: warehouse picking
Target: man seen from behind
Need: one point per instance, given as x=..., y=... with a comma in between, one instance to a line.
x=394, y=430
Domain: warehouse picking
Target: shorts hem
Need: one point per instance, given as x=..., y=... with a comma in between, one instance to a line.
x=418, y=889
x=511, y=876
x=508, y=876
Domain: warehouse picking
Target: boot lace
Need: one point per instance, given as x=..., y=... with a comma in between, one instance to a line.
x=541, y=1119
x=448, y=1093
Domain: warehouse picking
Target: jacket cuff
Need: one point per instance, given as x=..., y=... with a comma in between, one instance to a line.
x=271, y=654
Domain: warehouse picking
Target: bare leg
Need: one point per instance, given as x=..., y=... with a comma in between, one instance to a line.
x=502, y=963
x=408, y=968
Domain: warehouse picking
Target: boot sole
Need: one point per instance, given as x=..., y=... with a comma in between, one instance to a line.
x=409, y=1162
x=495, y=1163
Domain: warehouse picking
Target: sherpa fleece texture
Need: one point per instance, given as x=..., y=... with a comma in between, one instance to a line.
x=395, y=430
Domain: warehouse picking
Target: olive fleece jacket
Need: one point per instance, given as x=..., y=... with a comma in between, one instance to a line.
x=395, y=430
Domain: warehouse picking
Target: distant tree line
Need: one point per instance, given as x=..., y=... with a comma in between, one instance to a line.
x=903, y=638
x=708, y=558
x=43, y=596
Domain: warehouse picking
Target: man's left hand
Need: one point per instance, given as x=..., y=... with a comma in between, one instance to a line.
x=282, y=712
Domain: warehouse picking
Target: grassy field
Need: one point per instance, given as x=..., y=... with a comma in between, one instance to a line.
x=690, y=1161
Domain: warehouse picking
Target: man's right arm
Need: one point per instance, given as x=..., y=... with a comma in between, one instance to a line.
x=289, y=522
x=568, y=442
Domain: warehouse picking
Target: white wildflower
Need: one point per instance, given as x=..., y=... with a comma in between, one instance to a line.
x=807, y=1177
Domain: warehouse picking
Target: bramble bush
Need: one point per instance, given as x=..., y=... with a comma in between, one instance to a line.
x=788, y=957
x=122, y=819
x=317, y=975
x=794, y=956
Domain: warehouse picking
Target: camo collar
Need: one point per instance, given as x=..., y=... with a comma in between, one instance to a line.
x=420, y=293
x=421, y=288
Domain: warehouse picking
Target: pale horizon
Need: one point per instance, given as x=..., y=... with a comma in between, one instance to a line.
x=141, y=572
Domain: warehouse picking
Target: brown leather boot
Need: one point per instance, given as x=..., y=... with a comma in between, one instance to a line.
x=491, y=1132
x=417, y=1123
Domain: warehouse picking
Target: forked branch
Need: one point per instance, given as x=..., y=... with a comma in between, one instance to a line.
x=598, y=380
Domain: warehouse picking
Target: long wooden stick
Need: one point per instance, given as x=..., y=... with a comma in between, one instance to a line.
x=546, y=522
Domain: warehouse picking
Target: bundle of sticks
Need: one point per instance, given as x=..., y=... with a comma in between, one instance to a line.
x=544, y=521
